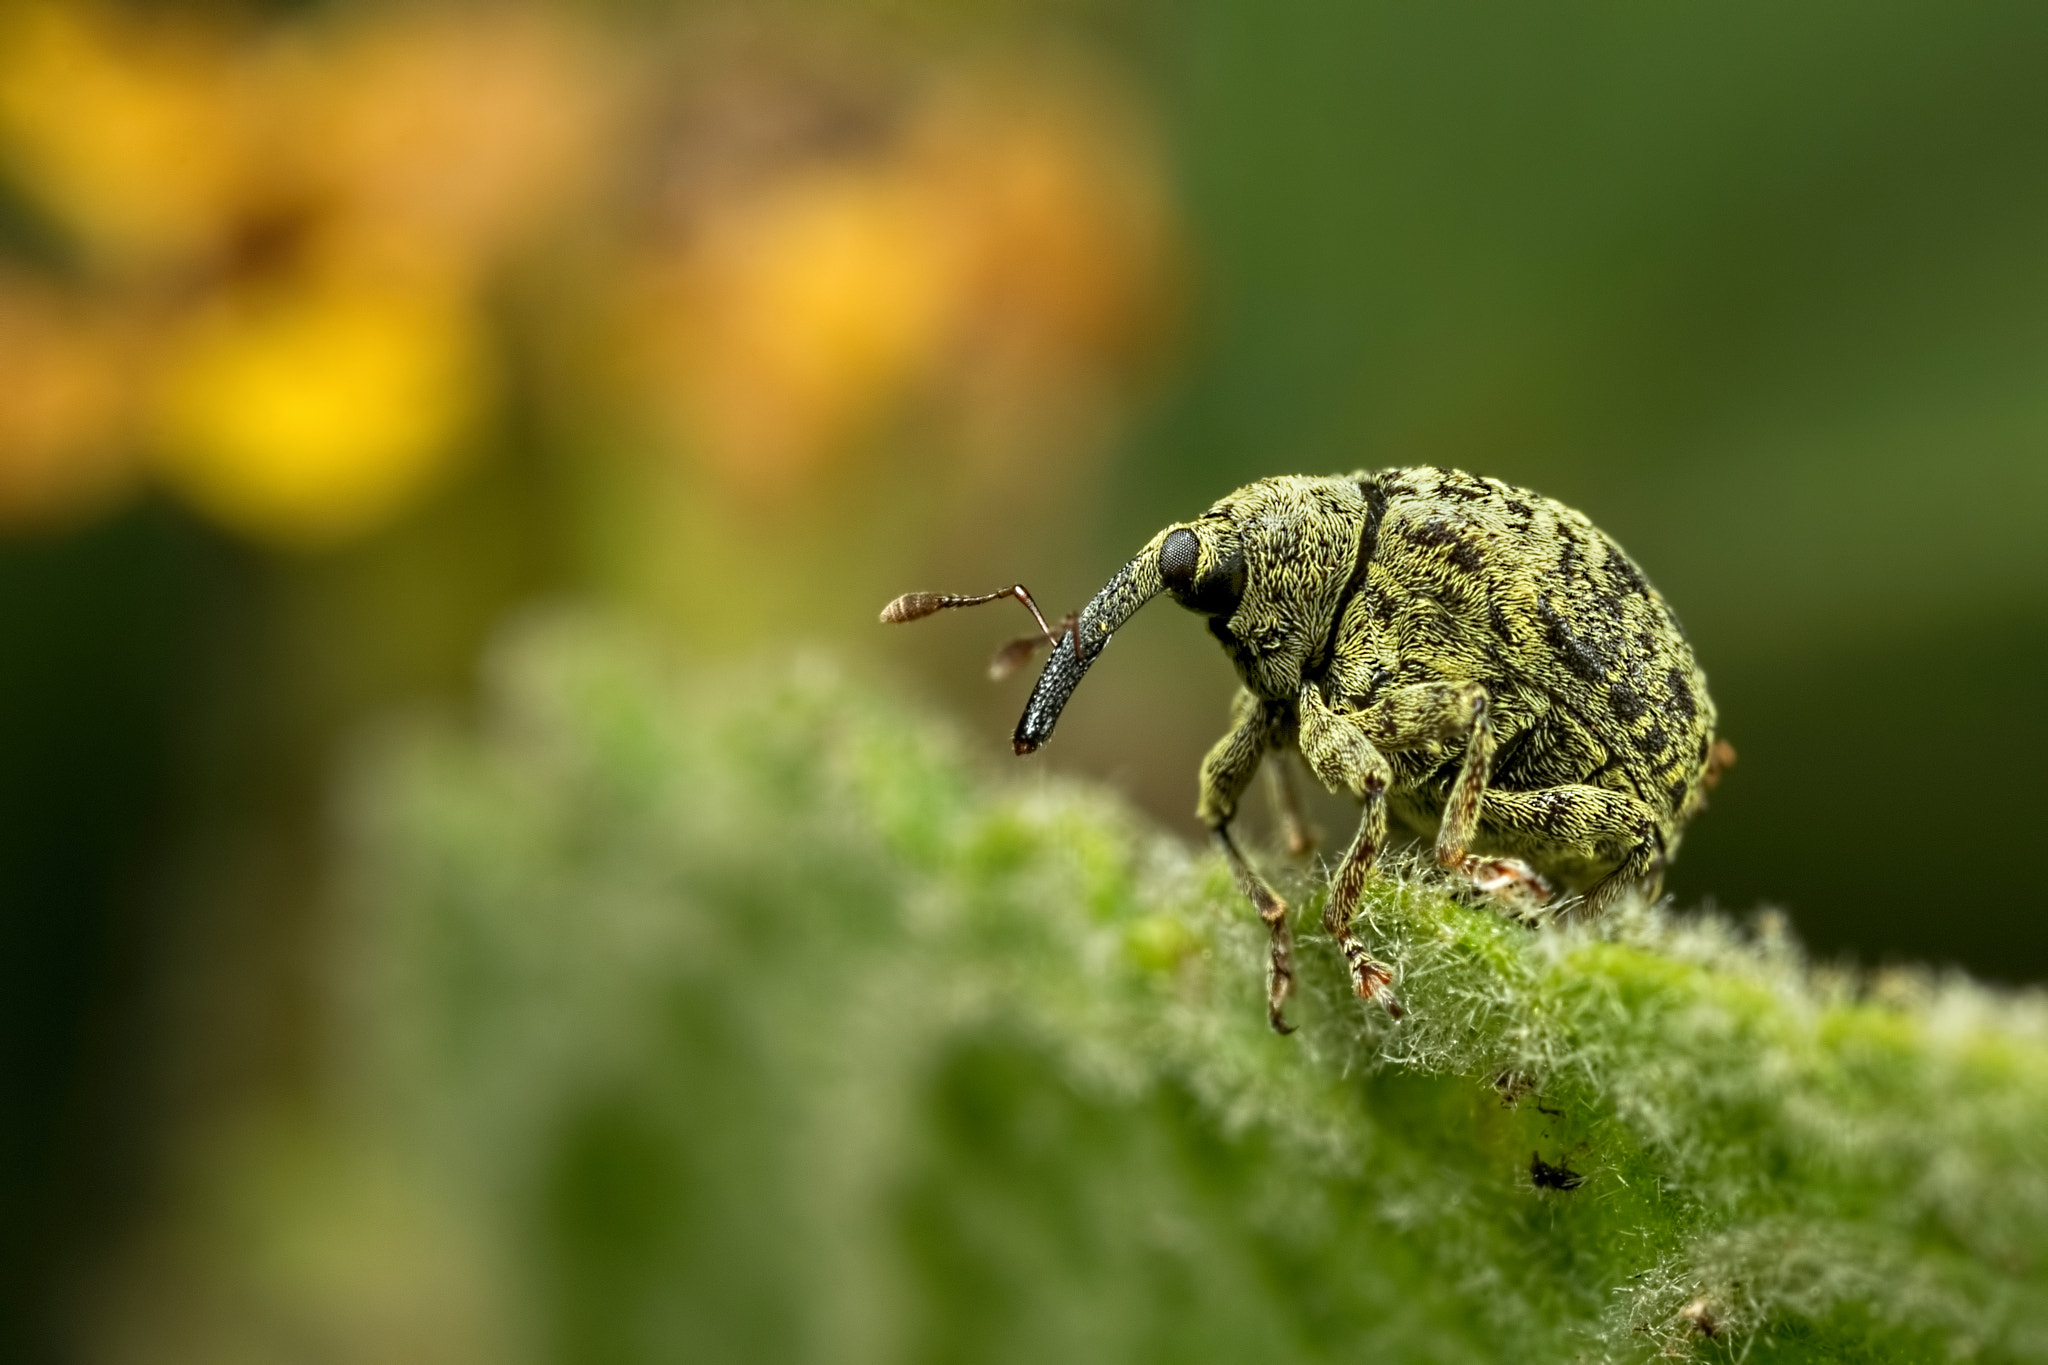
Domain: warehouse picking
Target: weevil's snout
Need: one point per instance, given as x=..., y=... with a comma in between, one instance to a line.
x=1137, y=583
x=1202, y=567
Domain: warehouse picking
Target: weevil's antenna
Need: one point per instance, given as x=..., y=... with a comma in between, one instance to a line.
x=913, y=606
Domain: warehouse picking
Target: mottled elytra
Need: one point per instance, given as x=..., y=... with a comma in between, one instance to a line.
x=1470, y=659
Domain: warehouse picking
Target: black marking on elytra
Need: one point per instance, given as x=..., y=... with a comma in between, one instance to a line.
x=1498, y=619
x=1578, y=655
x=1679, y=694
x=1623, y=572
x=1568, y=561
x=1627, y=702
x=1653, y=741
x=1437, y=533
x=1465, y=490
x=1678, y=790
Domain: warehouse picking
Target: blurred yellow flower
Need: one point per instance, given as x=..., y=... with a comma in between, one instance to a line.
x=801, y=315
x=299, y=222
x=303, y=417
x=137, y=136
x=301, y=218
x=991, y=255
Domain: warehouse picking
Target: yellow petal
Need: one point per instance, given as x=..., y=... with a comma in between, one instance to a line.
x=307, y=417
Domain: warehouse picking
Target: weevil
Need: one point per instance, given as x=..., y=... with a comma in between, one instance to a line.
x=1472, y=660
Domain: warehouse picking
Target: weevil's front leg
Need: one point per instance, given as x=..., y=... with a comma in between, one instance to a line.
x=1340, y=754
x=1423, y=713
x=1226, y=772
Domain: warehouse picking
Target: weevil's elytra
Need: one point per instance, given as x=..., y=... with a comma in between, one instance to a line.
x=1471, y=659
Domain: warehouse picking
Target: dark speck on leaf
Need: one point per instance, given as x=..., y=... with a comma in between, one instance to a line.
x=1548, y=1177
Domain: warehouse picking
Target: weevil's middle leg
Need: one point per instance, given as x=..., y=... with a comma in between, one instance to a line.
x=1256, y=727
x=1300, y=836
x=1421, y=713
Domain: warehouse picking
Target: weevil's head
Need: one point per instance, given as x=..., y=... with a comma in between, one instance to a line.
x=1257, y=565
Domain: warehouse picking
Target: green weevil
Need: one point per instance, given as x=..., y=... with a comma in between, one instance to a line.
x=1471, y=659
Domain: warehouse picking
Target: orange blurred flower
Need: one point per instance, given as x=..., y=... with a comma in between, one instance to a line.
x=992, y=254
x=62, y=452
x=137, y=137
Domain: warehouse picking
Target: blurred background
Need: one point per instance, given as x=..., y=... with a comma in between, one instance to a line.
x=331, y=333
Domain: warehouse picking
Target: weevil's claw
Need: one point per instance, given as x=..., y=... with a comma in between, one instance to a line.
x=1515, y=888
x=1374, y=980
x=1279, y=967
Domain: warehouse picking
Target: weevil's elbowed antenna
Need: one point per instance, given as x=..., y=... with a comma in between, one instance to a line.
x=1075, y=641
x=914, y=606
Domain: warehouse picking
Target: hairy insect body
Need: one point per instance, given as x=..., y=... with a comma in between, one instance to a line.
x=1589, y=679
x=1471, y=659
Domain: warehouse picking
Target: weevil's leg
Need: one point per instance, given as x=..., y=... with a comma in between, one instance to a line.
x=1595, y=823
x=1344, y=759
x=1423, y=713
x=1226, y=772
x=1294, y=825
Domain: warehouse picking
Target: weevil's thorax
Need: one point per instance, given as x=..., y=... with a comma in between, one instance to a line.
x=1268, y=565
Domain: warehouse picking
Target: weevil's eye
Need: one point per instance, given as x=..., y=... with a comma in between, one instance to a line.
x=1177, y=559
